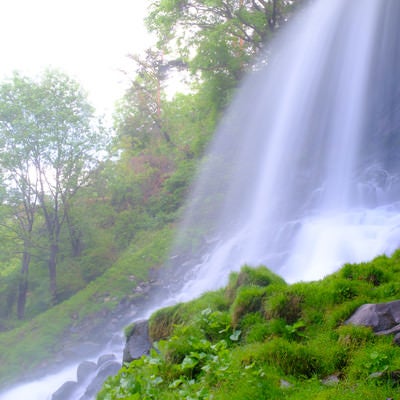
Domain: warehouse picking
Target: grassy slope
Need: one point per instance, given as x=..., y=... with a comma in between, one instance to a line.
x=263, y=339
x=37, y=343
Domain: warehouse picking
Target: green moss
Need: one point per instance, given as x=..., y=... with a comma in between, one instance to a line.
x=243, y=342
x=254, y=327
x=249, y=299
x=285, y=305
x=248, y=276
x=162, y=322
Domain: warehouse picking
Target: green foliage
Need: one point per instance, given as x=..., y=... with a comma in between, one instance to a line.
x=219, y=41
x=337, y=315
x=373, y=273
x=249, y=299
x=244, y=341
x=254, y=327
x=286, y=305
x=214, y=323
x=238, y=343
x=8, y=293
x=379, y=358
x=49, y=144
x=248, y=276
x=162, y=322
x=352, y=337
x=294, y=359
x=295, y=331
x=29, y=344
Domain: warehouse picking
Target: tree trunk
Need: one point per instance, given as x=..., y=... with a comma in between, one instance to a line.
x=75, y=234
x=53, y=272
x=23, y=285
x=76, y=243
x=273, y=21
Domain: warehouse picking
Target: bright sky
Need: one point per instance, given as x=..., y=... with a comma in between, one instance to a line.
x=87, y=39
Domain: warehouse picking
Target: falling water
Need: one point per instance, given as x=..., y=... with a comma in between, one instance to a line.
x=303, y=173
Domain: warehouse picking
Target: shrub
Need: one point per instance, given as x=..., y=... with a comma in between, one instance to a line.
x=248, y=276
x=373, y=272
x=378, y=357
x=185, y=338
x=249, y=299
x=340, y=313
x=343, y=290
x=215, y=325
x=285, y=305
x=162, y=322
x=353, y=337
x=254, y=327
x=294, y=358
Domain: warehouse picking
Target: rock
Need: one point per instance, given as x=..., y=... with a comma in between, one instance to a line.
x=386, y=376
x=285, y=384
x=397, y=339
x=116, y=342
x=85, y=369
x=376, y=375
x=331, y=380
x=382, y=317
x=137, y=342
x=84, y=349
x=65, y=391
x=395, y=376
x=105, y=358
x=109, y=368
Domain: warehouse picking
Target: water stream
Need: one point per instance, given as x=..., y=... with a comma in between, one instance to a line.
x=303, y=174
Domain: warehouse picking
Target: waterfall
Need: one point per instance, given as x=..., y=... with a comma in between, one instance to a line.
x=303, y=172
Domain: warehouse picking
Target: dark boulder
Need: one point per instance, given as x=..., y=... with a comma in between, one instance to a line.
x=105, y=358
x=109, y=368
x=66, y=391
x=85, y=369
x=137, y=342
x=383, y=318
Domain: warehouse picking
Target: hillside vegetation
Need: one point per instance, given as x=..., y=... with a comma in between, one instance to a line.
x=260, y=338
x=98, y=213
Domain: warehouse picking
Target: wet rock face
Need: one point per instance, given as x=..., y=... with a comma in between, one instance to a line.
x=137, y=342
x=66, y=391
x=85, y=369
x=90, y=378
x=105, y=370
x=383, y=318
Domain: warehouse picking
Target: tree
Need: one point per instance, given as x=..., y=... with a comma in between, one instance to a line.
x=139, y=114
x=49, y=143
x=217, y=38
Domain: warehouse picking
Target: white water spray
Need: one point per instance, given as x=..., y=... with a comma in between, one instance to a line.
x=303, y=173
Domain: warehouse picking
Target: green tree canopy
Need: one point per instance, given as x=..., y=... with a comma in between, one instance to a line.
x=48, y=146
x=218, y=39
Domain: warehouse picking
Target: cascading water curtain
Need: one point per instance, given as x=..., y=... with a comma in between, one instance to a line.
x=303, y=173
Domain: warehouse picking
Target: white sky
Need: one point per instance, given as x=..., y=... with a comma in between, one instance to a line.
x=87, y=39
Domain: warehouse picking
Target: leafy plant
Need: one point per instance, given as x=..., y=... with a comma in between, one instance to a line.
x=295, y=331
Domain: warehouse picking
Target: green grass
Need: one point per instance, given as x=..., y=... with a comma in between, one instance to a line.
x=35, y=343
x=263, y=339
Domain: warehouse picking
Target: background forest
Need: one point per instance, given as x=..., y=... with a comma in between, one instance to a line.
x=87, y=210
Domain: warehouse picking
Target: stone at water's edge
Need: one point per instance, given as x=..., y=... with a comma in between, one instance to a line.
x=66, y=391
x=137, y=342
x=109, y=368
x=85, y=369
x=90, y=379
x=383, y=318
